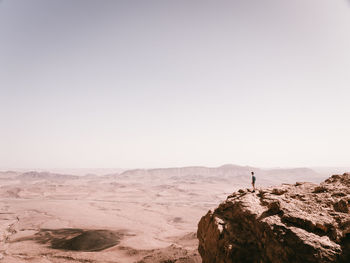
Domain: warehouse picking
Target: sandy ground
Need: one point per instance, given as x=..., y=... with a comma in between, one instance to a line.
x=105, y=218
x=154, y=220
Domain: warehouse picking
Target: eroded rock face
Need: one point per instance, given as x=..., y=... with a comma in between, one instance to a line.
x=302, y=222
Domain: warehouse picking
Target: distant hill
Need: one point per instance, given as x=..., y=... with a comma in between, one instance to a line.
x=33, y=175
x=225, y=170
x=228, y=171
x=8, y=174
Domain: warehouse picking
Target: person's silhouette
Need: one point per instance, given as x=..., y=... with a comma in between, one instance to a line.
x=253, y=181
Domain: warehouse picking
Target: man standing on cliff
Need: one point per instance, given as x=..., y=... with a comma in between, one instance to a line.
x=253, y=181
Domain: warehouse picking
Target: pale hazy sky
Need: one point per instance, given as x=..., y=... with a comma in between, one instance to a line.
x=173, y=83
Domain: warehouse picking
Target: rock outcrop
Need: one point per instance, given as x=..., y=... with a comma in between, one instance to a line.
x=303, y=222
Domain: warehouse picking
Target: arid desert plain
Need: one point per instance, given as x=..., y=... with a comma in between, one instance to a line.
x=131, y=216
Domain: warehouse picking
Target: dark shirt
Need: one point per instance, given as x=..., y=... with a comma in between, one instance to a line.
x=253, y=179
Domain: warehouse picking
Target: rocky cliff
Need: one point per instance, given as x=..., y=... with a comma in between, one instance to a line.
x=300, y=222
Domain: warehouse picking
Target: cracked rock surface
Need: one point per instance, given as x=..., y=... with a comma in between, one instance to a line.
x=300, y=222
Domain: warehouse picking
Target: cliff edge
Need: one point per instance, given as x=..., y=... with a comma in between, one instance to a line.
x=301, y=222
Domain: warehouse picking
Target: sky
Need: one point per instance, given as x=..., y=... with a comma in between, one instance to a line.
x=140, y=84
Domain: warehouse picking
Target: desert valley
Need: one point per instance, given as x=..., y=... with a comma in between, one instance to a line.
x=132, y=216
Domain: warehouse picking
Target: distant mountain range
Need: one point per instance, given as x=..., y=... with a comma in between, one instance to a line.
x=224, y=172
x=33, y=175
x=228, y=172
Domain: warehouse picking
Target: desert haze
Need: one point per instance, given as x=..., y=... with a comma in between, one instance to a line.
x=133, y=216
